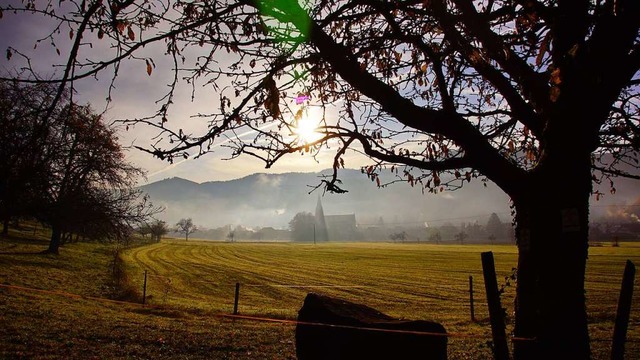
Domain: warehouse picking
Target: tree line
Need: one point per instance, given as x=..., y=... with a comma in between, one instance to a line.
x=302, y=228
x=62, y=165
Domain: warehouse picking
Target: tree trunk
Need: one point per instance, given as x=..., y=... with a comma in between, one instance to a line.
x=5, y=226
x=54, y=244
x=552, y=234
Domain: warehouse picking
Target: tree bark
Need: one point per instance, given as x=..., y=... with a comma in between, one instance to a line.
x=5, y=226
x=552, y=235
x=54, y=244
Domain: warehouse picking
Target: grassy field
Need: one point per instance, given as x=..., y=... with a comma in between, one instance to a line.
x=190, y=284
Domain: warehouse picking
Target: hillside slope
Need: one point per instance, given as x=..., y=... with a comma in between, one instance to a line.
x=260, y=200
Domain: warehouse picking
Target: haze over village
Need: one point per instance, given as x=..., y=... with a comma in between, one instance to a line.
x=261, y=206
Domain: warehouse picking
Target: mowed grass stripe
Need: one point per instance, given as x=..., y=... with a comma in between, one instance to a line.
x=415, y=281
x=406, y=280
x=370, y=278
x=398, y=279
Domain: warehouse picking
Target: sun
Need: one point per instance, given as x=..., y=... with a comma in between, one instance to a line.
x=306, y=127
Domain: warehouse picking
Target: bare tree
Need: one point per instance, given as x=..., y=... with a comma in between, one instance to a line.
x=460, y=237
x=24, y=167
x=186, y=227
x=158, y=229
x=231, y=236
x=540, y=97
x=400, y=236
x=91, y=188
x=65, y=168
x=435, y=237
x=144, y=230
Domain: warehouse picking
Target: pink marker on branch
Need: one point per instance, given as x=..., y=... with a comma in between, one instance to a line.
x=302, y=98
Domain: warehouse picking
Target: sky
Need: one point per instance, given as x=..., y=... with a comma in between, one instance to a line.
x=134, y=96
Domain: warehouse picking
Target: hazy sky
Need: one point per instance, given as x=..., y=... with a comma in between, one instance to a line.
x=134, y=96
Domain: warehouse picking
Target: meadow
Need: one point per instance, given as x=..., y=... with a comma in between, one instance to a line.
x=190, y=287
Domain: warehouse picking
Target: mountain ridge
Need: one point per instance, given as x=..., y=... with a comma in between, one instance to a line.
x=263, y=199
x=272, y=200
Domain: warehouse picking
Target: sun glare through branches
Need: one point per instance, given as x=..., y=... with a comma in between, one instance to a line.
x=306, y=125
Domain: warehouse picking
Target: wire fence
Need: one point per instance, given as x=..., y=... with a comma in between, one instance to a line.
x=261, y=298
x=285, y=321
x=245, y=317
x=479, y=337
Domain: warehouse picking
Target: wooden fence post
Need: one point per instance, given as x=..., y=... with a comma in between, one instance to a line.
x=235, y=302
x=144, y=288
x=471, y=306
x=500, y=348
x=622, y=315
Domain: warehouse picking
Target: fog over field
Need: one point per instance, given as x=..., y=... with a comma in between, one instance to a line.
x=272, y=200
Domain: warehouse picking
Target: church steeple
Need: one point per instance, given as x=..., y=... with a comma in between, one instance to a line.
x=321, y=233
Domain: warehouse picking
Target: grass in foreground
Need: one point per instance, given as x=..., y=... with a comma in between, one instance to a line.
x=190, y=284
x=414, y=281
x=40, y=325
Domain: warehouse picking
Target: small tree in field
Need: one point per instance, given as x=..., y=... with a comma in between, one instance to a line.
x=400, y=236
x=158, y=229
x=187, y=227
x=144, y=230
x=461, y=237
x=435, y=237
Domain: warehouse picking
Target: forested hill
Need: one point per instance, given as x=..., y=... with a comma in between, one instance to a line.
x=260, y=200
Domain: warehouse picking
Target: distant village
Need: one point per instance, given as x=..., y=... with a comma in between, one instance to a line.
x=321, y=227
